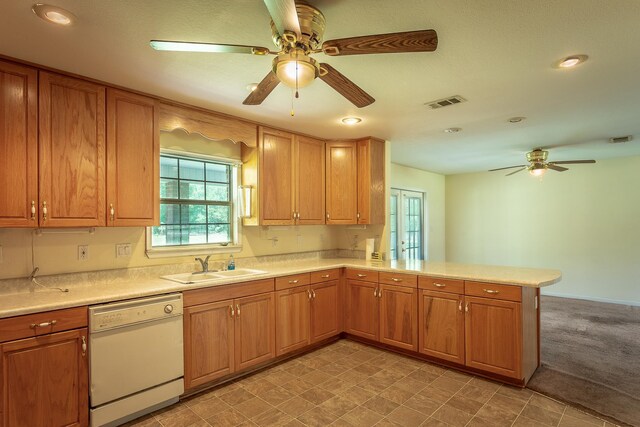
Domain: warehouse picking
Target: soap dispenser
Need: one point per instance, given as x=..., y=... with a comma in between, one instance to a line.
x=232, y=264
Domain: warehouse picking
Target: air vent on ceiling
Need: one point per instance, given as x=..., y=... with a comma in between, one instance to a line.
x=445, y=102
x=619, y=139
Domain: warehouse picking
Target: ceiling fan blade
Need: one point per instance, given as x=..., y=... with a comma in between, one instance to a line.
x=508, y=167
x=519, y=170
x=573, y=162
x=345, y=87
x=284, y=16
x=410, y=41
x=263, y=90
x=556, y=167
x=179, y=46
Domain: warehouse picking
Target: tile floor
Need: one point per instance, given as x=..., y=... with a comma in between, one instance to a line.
x=350, y=384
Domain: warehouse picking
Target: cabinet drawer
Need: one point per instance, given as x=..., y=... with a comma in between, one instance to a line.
x=325, y=275
x=18, y=327
x=360, y=274
x=286, y=282
x=400, y=279
x=444, y=285
x=493, y=290
x=219, y=293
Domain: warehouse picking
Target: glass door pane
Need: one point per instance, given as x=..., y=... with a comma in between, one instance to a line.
x=406, y=220
x=393, y=225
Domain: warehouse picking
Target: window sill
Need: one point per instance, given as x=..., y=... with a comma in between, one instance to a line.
x=176, y=251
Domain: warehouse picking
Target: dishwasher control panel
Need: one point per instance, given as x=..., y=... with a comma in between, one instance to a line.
x=115, y=315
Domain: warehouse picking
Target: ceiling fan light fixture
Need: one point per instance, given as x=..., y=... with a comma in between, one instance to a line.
x=350, y=121
x=295, y=69
x=53, y=14
x=537, y=169
x=572, y=61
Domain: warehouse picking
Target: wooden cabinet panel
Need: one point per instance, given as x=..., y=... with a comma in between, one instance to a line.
x=310, y=182
x=254, y=330
x=441, y=326
x=359, y=274
x=493, y=336
x=362, y=309
x=325, y=275
x=400, y=279
x=133, y=159
x=13, y=328
x=18, y=145
x=398, y=316
x=292, y=319
x=371, y=198
x=219, y=293
x=45, y=381
x=276, y=177
x=493, y=290
x=292, y=281
x=208, y=342
x=71, y=152
x=341, y=182
x=324, y=311
x=443, y=285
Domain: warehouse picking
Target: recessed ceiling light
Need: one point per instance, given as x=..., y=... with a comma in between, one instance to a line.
x=53, y=14
x=350, y=121
x=452, y=130
x=572, y=61
x=517, y=119
x=252, y=86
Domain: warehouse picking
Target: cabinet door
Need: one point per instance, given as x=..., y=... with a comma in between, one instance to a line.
x=309, y=170
x=255, y=330
x=276, y=177
x=441, y=326
x=133, y=159
x=45, y=381
x=72, y=152
x=371, y=199
x=493, y=332
x=208, y=342
x=399, y=316
x=342, y=182
x=324, y=311
x=18, y=145
x=292, y=319
x=362, y=311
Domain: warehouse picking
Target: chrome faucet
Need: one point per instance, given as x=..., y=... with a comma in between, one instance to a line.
x=204, y=263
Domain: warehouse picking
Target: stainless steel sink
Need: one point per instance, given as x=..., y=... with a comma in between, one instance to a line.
x=191, y=278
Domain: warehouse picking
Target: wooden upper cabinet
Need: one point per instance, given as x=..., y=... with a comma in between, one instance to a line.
x=133, y=159
x=309, y=179
x=371, y=198
x=71, y=152
x=399, y=316
x=341, y=182
x=441, y=329
x=18, y=145
x=276, y=177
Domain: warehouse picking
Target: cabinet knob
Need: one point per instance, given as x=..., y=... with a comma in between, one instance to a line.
x=327, y=215
x=232, y=312
x=466, y=308
x=358, y=215
x=84, y=346
x=238, y=310
x=460, y=306
x=309, y=294
x=375, y=292
x=313, y=293
x=112, y=212
x=33, y=210
x=45, y=211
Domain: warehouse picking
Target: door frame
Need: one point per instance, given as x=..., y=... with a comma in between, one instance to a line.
x=400, y=193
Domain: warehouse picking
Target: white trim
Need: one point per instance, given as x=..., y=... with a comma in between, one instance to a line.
x=198, y=156
x=589, y=298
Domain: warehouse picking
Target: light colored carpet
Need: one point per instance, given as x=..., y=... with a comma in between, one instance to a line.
x=590, y=355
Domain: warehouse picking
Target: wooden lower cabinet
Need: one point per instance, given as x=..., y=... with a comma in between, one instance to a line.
x=45, y=381
x=227, y=336
x=362, y=309
x=493, y=336
x=399, y=316
x=324, y=311
x=441, y=327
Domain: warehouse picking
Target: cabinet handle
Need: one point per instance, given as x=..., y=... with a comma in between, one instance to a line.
x=238, y=310
x=439, y=285
x=43, y=324
x=466, y=308
x=396, y=280
x=325, y=276
x=358, y=215
x=298, y=215
x=491, y=291
x=293, y=282
x=45, y=211
x=309, y=294
x=314, y=293
x=112, y=212
x=33, y=210
x=327, y=215
x=84, y=346
x=231, y=310
x=361, y=275
x=460, y=306
x=375, y=292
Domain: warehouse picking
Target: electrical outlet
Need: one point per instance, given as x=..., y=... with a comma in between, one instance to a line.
x=83, y=252
x=123, y=250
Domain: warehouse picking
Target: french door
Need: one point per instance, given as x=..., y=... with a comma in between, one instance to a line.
x=407, y=225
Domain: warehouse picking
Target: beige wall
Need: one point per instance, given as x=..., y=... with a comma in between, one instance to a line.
x=585, y=222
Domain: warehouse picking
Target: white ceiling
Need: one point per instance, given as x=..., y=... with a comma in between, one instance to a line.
x=498, y=54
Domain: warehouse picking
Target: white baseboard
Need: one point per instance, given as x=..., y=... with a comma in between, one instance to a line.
x=597, y=299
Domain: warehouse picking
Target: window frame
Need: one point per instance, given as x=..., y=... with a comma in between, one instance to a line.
x=235, y=245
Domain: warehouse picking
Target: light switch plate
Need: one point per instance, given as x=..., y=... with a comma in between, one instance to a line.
x=83, y=252
x=123, y=250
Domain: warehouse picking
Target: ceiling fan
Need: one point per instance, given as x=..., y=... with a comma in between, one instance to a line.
x=538, y=163
x=297, y=29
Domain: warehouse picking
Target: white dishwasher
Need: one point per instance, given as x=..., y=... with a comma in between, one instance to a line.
x=136, y=358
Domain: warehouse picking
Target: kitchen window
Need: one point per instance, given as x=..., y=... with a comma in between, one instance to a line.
x=198, y=209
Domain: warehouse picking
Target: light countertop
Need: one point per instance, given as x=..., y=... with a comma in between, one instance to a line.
x=107, y=286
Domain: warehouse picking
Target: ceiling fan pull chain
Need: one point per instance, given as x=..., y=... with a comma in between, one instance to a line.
x=293, y=113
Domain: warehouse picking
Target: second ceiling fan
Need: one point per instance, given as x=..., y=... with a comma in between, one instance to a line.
x=297, y=29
